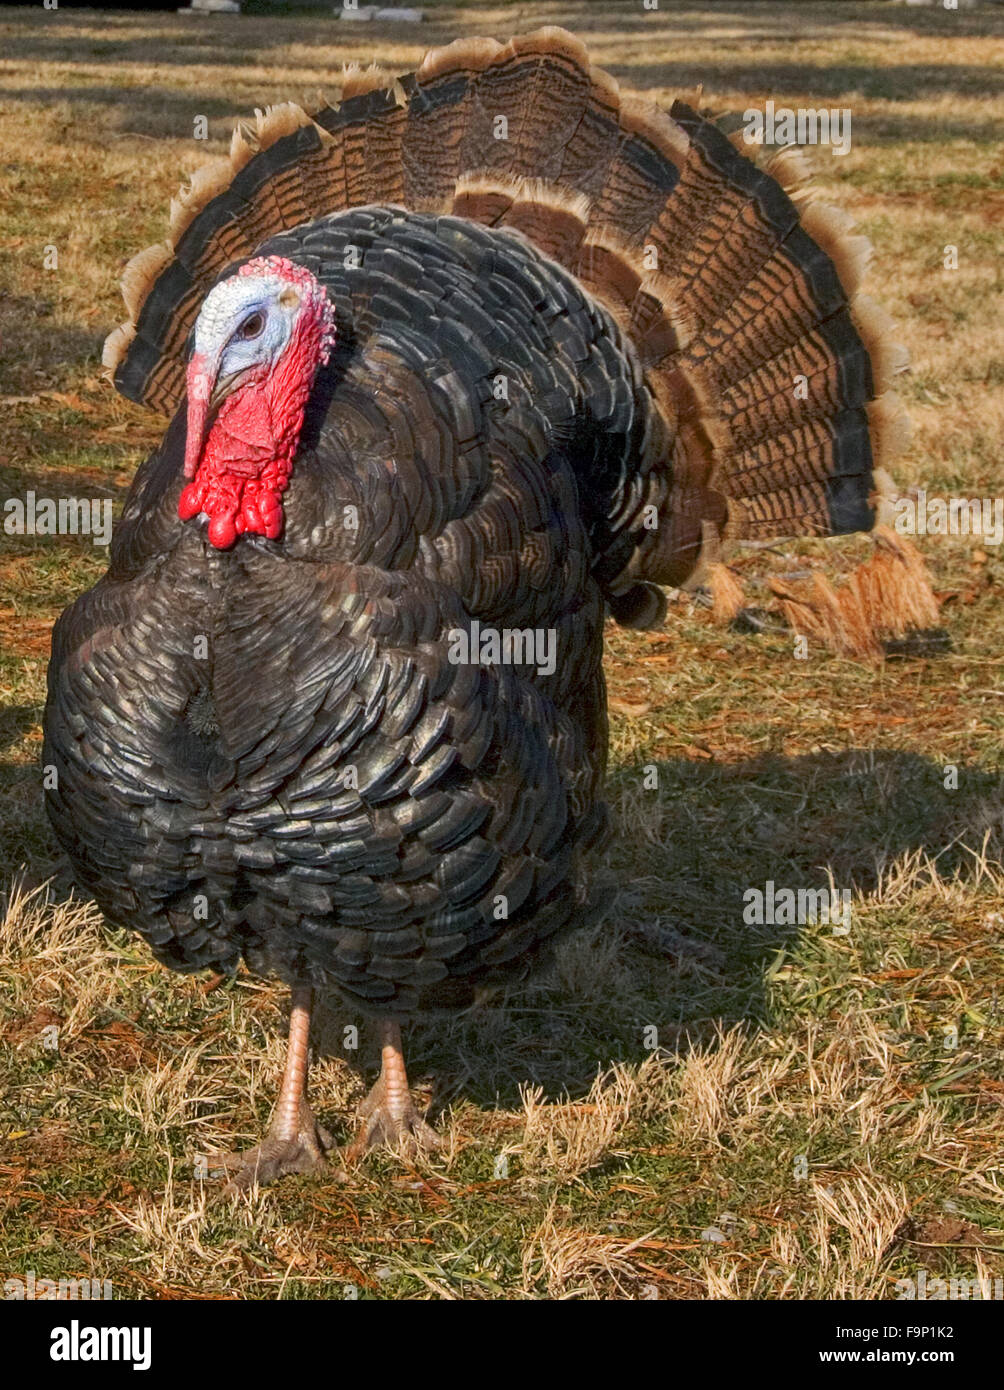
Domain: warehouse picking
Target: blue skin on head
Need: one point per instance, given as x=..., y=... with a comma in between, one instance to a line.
x=245, y=323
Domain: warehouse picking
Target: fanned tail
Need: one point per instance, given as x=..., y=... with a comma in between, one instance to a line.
x=740, y=295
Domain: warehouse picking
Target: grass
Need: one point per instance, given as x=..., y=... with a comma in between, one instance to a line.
x=688, y=1106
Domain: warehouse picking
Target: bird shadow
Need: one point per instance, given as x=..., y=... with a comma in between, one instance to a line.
x=15, y=721
x=664, y=957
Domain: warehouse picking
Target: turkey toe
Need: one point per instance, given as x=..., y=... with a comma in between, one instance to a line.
x=275, y=1157
x=388, y=1115
x=384, y=1126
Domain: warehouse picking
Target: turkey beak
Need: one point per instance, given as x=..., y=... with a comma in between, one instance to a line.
x=201, y=378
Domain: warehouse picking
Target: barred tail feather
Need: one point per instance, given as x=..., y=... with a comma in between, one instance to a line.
x=740, y=295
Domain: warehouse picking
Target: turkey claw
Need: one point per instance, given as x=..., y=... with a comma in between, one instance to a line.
x=275, y=1157
x=403, y=1131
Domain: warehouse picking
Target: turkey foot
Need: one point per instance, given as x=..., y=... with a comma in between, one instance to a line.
x=388, y=1115
x=279, y=1153
x=295, y=1142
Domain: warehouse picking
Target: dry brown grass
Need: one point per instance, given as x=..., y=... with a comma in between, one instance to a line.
x=886, y=597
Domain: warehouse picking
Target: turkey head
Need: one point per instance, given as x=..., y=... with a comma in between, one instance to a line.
x=259, y=340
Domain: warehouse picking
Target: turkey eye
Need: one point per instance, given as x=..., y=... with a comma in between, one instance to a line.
x=251, y=326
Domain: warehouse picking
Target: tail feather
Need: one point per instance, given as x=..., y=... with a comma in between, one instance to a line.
x=740, y=296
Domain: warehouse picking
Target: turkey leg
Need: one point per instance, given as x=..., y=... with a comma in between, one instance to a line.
x=387, y=1114
x=295, y=1142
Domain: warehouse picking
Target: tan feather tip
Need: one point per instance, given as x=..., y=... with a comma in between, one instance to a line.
x=791, y=168
x=644, y=118
x=116, y=345
x=692, y=97
x=358, y=82
x=683, y=319
x=276, y=121
x=550, y=195
x=888, y=358
x=478, y=182
x=552, y=39
x=204, y=184
x=472, y=55
x=241, y=148
x=830, y=229
x=883, y=497
x=666, y=291
x=717, y=431
x=738, y=524
x=604, y=89
x=889, y=425
x=140, y=273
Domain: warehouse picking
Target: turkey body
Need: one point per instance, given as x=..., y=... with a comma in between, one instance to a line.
x=267, y=752
x=358, y=740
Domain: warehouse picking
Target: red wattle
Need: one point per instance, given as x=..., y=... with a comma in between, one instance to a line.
x=222, y=532
x=246, y=463
x=190, y=501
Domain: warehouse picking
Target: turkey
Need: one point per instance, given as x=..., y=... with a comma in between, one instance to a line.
x=454, y=368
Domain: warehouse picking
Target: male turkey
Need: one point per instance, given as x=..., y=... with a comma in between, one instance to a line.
x=490, y=344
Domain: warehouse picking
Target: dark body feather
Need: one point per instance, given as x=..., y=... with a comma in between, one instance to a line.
x=204, y=705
